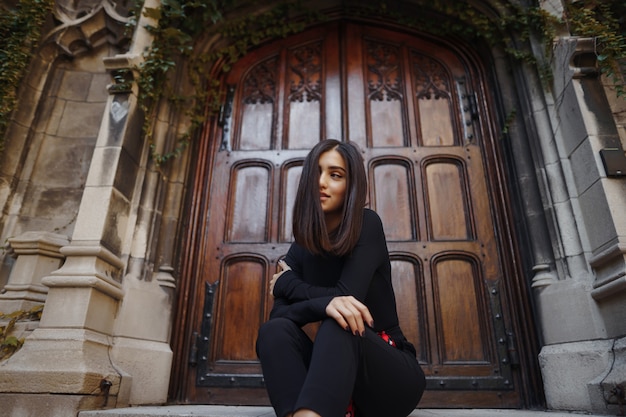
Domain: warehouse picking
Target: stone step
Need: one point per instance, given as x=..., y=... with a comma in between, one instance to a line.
x=240, y=411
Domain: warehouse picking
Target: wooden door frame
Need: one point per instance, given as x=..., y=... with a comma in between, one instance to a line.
x=516, y=291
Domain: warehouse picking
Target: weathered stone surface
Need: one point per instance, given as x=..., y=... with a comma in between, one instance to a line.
x=569, y=368
x=49, y=405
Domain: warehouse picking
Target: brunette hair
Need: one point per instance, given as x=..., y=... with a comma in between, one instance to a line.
x=309, y=224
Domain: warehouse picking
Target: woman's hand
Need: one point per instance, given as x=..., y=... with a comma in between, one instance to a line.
x=283, y=268
x=350, y=314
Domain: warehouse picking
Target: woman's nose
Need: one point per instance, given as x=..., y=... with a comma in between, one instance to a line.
x=322, y=181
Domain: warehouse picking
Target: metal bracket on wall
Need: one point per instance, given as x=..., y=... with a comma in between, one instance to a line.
x=614, y=161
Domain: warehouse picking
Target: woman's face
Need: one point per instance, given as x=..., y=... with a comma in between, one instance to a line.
x=333, y=185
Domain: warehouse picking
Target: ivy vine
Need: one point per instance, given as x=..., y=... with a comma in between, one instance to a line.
x=183, y=22
x=180, y=24
x=20, y=31
x=606, y=22
x=9, y=344
x=495, y=27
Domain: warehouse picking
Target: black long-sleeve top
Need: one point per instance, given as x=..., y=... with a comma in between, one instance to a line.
x=303, y=293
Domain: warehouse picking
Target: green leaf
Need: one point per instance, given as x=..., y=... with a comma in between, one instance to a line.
x=152, y=13
x=12, y=341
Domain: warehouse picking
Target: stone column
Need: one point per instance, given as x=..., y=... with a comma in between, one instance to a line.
x=68, y=355
x=37, y=255
x=585, y=350
x=141, y=332
x=588, y=127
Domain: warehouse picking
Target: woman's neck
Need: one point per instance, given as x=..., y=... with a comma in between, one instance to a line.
x=332, y=222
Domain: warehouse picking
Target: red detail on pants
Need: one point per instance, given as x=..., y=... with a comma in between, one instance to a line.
x=350, y=410
x=386, y=338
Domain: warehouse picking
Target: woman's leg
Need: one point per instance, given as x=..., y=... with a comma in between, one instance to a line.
x=334, y=365
x=389, y=383
x=382, y=380
x=285, y=352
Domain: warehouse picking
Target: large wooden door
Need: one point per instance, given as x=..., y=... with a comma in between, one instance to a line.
x=417, y=111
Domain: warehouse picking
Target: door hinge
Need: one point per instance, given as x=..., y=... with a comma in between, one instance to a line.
x=511, y=347
x=193, y=349
x=225, y=118
x=473, y=106
x=468, y=102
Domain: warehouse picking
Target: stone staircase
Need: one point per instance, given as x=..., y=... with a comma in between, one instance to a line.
x=240, y=411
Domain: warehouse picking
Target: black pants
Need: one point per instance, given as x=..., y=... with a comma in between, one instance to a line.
x=382, y=380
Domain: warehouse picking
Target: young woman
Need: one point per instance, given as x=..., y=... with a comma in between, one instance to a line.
x=337, y=272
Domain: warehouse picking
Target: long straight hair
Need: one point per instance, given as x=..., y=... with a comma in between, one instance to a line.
x=309, y=222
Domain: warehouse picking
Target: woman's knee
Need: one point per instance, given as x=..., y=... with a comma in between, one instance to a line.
x=331, y=327
x=332, y=332
x=275, y=332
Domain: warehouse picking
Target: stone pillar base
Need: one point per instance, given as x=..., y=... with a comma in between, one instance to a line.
x=575, y=376
x=563, y=299
x=608, y=391
x=49, y=405
x=72, y=362
x=69, y=354
x=38, y=254
x=150, y=365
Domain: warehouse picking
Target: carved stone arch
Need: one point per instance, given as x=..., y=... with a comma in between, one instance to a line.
x=87, y=25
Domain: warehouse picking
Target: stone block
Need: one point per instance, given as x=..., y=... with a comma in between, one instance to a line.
x=586, y=161
x=567, y=313
x=63, y=163
x=128, y=169
x=569, y=368
x=94, y=210
x=616, y=195
x=145, y=312
x=597, y=115
x=104, y=166
x=75, y=85
x=79, y=308
x=61, y=361
x=562, y=52
x=49, y=405
x=608, y=389
x=597, y=217
x=51, y=112
x=115, y=230
x=98, y=89
x=149, y=363
x=573, y=131
x=81, y=119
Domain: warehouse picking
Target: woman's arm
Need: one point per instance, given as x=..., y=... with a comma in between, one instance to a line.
x=357, y=272
x=347, y=311
x=302, y=312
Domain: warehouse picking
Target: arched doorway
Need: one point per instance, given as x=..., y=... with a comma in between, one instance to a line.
x=419, y=111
